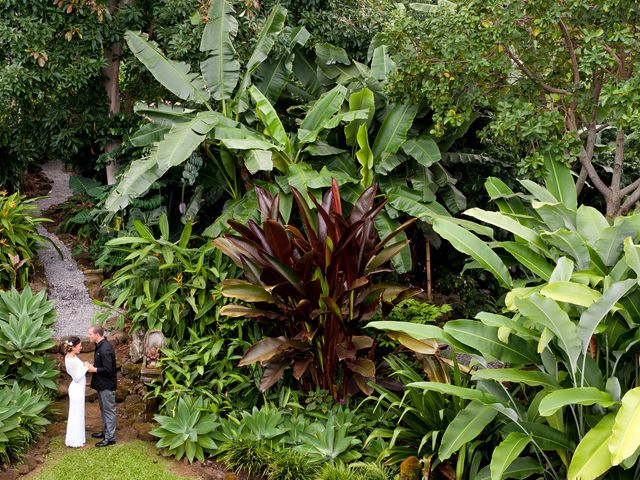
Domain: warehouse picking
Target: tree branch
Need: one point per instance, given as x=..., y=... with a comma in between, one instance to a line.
x=617, y=163
x=630, y=188
x=582, y=178
x=572, y=52
x=523, y=68
x=630, y=202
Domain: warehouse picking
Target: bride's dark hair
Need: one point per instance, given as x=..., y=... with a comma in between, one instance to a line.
x=69, y=343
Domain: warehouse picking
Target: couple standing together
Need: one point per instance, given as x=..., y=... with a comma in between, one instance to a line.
x=103, y=381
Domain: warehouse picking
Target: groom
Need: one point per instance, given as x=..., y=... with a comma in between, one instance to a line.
x=104, y=381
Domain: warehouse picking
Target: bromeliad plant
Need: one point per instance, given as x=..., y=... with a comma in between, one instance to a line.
x=313, y=289
x=567, y=403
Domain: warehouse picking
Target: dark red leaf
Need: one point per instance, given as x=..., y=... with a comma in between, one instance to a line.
x=272, y=373
x=263, y=351
x=300, y=366
x=361, y=341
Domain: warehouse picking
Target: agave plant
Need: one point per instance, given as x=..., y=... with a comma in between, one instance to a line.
x=313, y=289
x=189, y=431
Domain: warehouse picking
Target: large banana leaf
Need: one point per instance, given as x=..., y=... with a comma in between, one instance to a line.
x=592, y=458
x=222, y=69
x=393, y=131
x=273, y=25
x=364, y=155
x=384, y=226
x=467, y=425
x=323, y=109
x=269, y=118
x=554, y=401
x=381, y=63
x=466, y=242
x=506, y=453
x=532, y=378
x=571, y=292
x=484, y=339
x=625, y=434
x=590, y=224
x=546, y=313
x=163, y=114
x=175, y=76
x=457, y=391
x=174, y=149
x=522, y=467
x=559, y=182
x=148, y=134
x=570, y=242
x=507, y=223
x=240, y=209
x=360, y=100
x=423, y=149
x=591, y=318
x=528, y=258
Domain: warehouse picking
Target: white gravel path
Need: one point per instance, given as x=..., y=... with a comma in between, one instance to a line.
x=66, y=282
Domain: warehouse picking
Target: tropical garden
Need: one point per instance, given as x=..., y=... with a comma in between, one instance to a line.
x=383, y=239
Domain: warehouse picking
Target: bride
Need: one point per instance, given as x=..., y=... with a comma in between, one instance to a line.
x=77, y=370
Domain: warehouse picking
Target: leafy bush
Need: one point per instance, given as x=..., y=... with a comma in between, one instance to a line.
x=354, y=471
x=26, y=333
x=169, y=285
x=206, y=367
x=19, y=239
x=188, y=431
x=313, y=290
x=567, y=337
x=22, y=420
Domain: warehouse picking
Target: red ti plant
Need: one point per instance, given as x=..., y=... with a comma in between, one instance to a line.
x=313, y=287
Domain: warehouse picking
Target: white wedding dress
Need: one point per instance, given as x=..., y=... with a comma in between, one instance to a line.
x=75, y=422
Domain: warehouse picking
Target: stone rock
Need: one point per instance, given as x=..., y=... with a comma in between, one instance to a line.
x=143, y=430
x=23, y=469
x=10, y=474
x=133, y=398
x=93, y=276
x=91, y=395
x=134, y=409
x=118, y=337
x=30, y=461
x=136, y=348
x=131, y=370
x=63, y=387
x=87, y=346
x=122, y=392
x=96, y=292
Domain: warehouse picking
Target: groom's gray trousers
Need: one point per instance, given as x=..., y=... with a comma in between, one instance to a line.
x=107, y=400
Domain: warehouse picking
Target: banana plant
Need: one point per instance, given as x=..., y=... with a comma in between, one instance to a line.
x=217, y=93
x=313, y=289
x=568, y=336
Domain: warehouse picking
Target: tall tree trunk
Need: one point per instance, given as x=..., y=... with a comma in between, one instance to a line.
x=111, y=74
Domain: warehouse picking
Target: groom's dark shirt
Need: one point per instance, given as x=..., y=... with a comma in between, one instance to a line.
x=104, y=359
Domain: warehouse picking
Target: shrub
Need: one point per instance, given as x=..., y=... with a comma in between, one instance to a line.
x=22, y=420
x=18, y=239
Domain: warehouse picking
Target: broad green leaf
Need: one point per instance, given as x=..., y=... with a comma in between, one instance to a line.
x=164, y=114
x=323, y=109
x=574, y=396
x=532, y=378
x=555, y=216
x=506, y=223
x=423, y=149
x=546, y=437
x=175, y=76
x=529, y=259
x=591, y=318
x=632, y=256
x=173, y=150
x=500, y=321
x=467, y=425
x=239, y=209
x=592, y=457
x=246, y=291
x=269, y=118
x=625, y=434
x=381, y=63
x=394, y=128
x=547, y=313
x=148, y=134
x=303, y=177
x=522, y=467
x=222, y=69
x=402, y=262
x=506, y=452
x=485, y=339
x=273, y=25
x=571, y=243
x=364, y=155
x=590, y=224
x=258, y=160
x=460, y=392
x=560, y=183
x=330, y=54
x=571, y=292
x=610, y=244
x=415, y=330
x=563, y=270
x=539, y=192
x=360, y=100
x=466, y=242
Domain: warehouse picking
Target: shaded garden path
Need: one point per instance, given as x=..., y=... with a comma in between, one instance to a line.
x=66, y=282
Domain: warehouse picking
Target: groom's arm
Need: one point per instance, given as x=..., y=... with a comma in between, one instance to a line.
x=108, y=361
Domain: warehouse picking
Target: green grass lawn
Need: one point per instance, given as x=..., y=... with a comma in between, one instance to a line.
x=126, y=461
